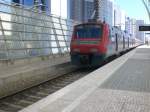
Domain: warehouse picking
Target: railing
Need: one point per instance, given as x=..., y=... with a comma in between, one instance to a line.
x=25, y=33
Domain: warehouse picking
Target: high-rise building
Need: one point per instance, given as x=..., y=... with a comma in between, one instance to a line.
x=123, y=20
x=130, y=27
x=76, y=10
x=88, y=9
x=117, y=16
x=103, y=10
x=106, y=11
x=110, y=12
x=80, y=10
x=139, y=35
x=96, y=8
x=133, y=28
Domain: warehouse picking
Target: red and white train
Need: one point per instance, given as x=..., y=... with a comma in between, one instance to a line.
x=95, y=41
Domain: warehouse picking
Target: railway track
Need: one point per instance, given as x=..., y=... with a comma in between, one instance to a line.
x=27, y=97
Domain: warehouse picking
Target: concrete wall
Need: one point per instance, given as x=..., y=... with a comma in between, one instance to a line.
x=22, y=74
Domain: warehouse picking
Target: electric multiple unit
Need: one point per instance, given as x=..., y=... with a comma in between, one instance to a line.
x=93, y=42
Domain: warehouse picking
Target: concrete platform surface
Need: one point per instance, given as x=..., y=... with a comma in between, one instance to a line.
x=123, y=85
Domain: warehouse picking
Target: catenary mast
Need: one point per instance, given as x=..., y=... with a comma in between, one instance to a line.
x=147, y=6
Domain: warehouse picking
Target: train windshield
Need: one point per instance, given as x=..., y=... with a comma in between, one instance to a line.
x=89, y=31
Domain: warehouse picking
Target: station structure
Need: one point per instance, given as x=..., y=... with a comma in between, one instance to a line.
x=34, y=48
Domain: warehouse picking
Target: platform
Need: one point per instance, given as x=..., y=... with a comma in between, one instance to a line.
x=123, y=85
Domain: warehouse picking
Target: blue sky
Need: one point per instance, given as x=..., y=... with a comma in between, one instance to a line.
x=133, y=8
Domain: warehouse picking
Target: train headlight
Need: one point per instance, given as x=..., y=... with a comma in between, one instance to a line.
x=76, y=50
x=94, y=50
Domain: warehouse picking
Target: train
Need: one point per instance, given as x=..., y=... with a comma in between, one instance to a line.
x=94, y=41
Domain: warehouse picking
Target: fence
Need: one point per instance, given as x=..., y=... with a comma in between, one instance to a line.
x=25, y=33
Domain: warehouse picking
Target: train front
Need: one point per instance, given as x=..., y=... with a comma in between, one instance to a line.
x=87, y=45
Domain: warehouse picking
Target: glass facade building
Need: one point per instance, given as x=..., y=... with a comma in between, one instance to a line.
x=80, y=10
x=88, y=9
x=76, y=9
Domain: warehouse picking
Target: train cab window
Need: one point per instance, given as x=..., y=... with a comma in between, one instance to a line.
x=89, y=31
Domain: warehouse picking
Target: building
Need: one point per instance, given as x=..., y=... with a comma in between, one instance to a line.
x=80, y=10
x=133, y=28
x=41, y=5
x=117, y=16
x=106, y=11
x=123, y=20
x=88, y=9
x=139, y=35
x=110, y=12
x=76, y=10
x=130, y=27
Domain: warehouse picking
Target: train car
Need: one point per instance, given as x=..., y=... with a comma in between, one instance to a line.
x=93, y=42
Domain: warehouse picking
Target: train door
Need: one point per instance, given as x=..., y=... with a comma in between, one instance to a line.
x=128, y=42
x=116, y=39
x=123, y=42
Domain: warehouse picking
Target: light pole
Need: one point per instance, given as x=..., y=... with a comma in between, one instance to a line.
x=147, y=6
x=60, y=8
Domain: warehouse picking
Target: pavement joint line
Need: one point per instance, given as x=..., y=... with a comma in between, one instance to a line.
x=106, y=73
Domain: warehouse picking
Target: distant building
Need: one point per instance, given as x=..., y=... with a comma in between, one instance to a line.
x=106, y=11
x=80, y=10
x=123, y=20
x=133, y=28
x=139, y=35
x=88, y=9
x=117, y=16
x=109, y=18
x=76, y=10
x=130, y=27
